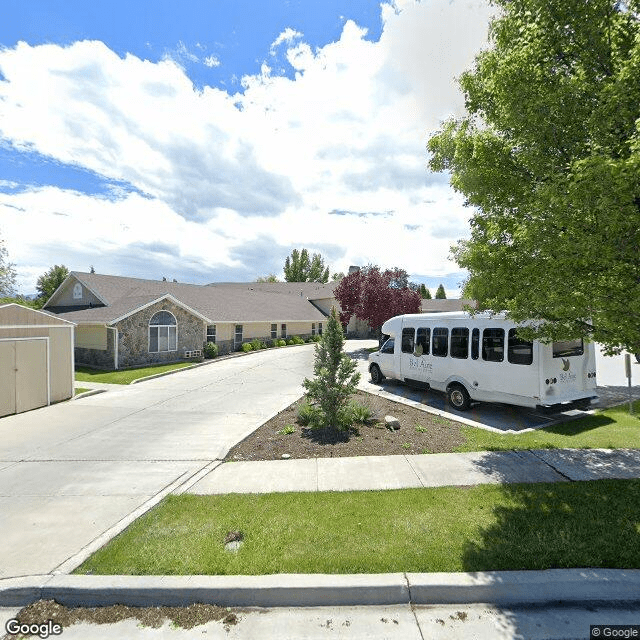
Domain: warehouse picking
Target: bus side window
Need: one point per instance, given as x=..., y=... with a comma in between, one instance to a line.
x=440, y=342
x=493, y=345
x=422, y=339
x=460, y=342
x=519, y=351
x=475, y=344
x=407, y=340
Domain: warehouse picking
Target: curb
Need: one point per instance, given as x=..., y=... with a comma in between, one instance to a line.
x=314, y=590
x=86, y=394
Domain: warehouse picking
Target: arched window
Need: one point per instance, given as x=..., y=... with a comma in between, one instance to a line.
x=163, y=330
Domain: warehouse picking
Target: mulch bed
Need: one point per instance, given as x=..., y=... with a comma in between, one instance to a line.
x=419, y=432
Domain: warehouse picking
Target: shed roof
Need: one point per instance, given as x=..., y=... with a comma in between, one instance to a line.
x=13, y=315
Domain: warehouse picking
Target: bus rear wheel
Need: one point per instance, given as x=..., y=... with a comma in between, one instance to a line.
x=458, y=397
x=376, y=374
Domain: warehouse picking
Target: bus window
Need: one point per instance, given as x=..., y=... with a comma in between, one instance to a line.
x=568, y=348
x=460, y=342
x=493, y=345
x=519, y=351
x=440, y=342
x=422, y=340
x=407, y=340
x=475, y=344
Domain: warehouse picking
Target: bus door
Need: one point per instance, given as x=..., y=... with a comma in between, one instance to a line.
x=522, y=365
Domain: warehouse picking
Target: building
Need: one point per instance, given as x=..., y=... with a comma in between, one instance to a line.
x=36, y=359
x=122, y=322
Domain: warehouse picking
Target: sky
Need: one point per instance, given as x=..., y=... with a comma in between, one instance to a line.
x=205, y=140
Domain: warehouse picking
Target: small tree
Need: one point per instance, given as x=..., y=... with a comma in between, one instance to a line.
x=440, y=294
x=425, y=294
x=335, y=376
x=49, y=281
x=272, y=277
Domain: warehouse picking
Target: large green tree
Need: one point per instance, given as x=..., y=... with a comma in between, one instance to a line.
x=441, y=293
x=299, y=267
x=49, y=281
x=549, y=157
x=7, y=273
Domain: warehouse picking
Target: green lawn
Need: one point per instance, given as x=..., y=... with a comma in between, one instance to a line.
x=125, y=376
x=609, y=429
x=485, y=527
x=79, y=390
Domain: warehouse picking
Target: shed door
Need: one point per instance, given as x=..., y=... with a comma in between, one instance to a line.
x=24, y=367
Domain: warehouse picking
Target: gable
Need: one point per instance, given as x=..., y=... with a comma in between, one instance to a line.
x=73, y=293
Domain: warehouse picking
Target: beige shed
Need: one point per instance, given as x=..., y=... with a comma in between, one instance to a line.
x=36, y=359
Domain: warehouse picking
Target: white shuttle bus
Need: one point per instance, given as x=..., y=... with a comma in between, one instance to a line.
x=481, y=358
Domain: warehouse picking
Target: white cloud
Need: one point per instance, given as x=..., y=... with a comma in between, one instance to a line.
x=211, y=61
x=225, y=172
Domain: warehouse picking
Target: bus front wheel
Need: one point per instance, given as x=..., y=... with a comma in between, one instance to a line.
x=458, y=397
x=376, y=374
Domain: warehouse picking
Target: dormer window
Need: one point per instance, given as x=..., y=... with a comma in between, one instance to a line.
x=77, y=291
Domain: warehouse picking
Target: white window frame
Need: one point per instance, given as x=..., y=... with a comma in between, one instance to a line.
x=319, y=328
x=313, y=328
x=211, y=336
x=283, y=330
x=163, y=326
x=274, y=330
x=235, y=335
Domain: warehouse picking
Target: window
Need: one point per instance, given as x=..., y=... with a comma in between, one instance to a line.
x=283, y=330
x=568, y=348
x=313, y=328
x=519, y=351
x=319, y=328
x=423, y=338
x=274, y=331
x=77, y=291
x=407, y=340
x=163, y=330
x=460, y=342
x=211, y=333
x=493, y=345
x=475, y=344
x=388, y=346
x=440, y=340
x=238, y=335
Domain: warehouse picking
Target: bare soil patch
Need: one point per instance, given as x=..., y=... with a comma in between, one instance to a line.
x=420, y=432
x=154, y=617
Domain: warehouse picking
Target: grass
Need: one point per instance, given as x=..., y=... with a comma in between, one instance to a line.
x=485, y=527
x=608, y=429
x=125, y=376
x=79, y=390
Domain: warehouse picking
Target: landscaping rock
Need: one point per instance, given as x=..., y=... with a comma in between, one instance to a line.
x=393, y=424
x=233, y=546
x=285, y=456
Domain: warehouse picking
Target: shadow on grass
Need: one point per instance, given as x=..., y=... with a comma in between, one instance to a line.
x=561, y=525
x=579, y=425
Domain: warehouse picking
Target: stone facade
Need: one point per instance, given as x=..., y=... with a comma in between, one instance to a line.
x=133, y=336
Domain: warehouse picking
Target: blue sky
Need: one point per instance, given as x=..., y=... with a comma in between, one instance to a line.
x=205, y=140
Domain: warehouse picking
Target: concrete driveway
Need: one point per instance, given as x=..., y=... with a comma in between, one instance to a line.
x=72, y=471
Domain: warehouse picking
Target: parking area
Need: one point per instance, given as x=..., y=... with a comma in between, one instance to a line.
x=612, y=389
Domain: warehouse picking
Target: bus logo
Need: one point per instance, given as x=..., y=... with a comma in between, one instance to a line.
x=565, y=365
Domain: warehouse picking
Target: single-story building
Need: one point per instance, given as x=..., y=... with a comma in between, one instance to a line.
x=36, y=359
x=123, y=322
x=440, y=305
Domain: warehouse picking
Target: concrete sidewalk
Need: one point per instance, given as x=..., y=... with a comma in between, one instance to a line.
x=432, y=470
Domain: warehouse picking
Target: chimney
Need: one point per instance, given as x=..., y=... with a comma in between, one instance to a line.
x=353, y=269
x=174, y=280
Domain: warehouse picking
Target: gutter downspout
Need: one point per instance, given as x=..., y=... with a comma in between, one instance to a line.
x=115, y=346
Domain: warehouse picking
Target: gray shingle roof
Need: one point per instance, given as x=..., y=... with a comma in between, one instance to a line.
x=229, y=302
x=441, y=306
